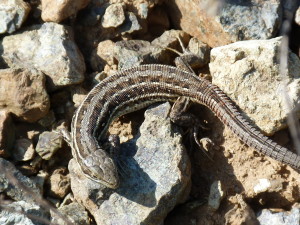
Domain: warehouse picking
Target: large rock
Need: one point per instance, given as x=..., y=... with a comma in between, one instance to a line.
x=156, y=177
x=49, y=48
x=23, y=93
x=248, y=72
x=230, y=22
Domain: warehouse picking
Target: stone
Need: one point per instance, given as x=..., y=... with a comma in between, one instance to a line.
x=22, y=212
x=103, y=55
x=59, y=183
x=231, y=22
x=292, y=217
x=297, y=16
x=48, y=144
x=57, y=10
x=7, y=133
x=23, y=150
x=16, y=185
x=23, y=94
x=48, y=48
x=157, y=176
x=130, y=25
x=248, y=72
x=74, y=212
x=114, y=16
x=201, y=49
x=13, y=14
x=216, y=194
x=266, y=185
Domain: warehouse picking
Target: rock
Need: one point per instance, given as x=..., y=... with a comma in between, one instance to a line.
x=201, y=49
x=131, y=24
x=158, y=21
x=248, y=72
x=23, y=150
x=7, y=133
x=157, y=176
x=13, y=14
x=233, y=21
x=49, y=48
x=24, y=213
x=241, y=213
x=103, y=55
x=74, y=212
x=23, y=94
x=297, y=16
x=59, y=183
x=266, y=185
x=133, y=53
x=16, y=185
x=267, y=217
x=216, y=194
x=48, y=144
x=48, y=120
x=56, y=10
x=114, y=16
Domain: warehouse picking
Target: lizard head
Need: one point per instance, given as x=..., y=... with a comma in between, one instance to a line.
x=100, y=167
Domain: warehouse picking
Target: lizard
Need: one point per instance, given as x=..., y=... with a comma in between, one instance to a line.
x=138, y=87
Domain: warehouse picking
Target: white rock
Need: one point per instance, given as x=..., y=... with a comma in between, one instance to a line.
x=248, y=72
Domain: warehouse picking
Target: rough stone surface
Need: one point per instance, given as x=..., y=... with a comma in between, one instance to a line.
x=114, y=16
x=234, y=21
x=130, y=25
x=57, y=10
x=23, y=150
x=59, y=183
x=48, y=144
x=215, y=195
x=16, y=185
x=248, y=72
x=24, y=213
x=13, y=13
x=74, y=212
x=157, y=176
x=23, y=93
x=48, y=48
x=267, y=217
x=7, y=133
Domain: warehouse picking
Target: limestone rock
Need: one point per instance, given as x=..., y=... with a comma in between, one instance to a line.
x=248, y=72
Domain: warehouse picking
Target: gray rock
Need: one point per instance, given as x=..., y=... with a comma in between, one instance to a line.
x=216, y=194
x=248, y=72
x=133, y=53
x=251, y=21
x=267, y=217
x=49, y=48
x=16, y=185
x=23, y=213
x=13, y=13
x=23, y=150
x=48, y=144
x=130, y=25
x=74, y=212
x=156, y=178
x=59, y=183
x=114, y=16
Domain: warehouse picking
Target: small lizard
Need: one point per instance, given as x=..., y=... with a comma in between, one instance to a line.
x=138, y=87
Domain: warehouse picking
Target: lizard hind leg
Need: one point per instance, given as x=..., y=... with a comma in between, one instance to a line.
x=181, y=117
